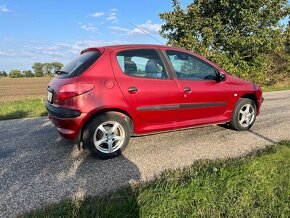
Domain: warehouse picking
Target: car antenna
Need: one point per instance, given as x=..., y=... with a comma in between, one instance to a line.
x=146, y=33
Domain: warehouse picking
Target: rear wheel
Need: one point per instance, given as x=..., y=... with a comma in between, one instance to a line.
x=107, y=135
x=244, y=114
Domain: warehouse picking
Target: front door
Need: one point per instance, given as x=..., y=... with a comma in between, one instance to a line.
x=146, y=85
x=202, y=98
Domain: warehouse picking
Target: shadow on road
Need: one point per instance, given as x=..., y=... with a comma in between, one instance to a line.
x=39, y=167
x=263, y=137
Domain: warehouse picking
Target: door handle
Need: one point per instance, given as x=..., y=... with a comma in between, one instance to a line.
x=132, y=89
x=187, y=89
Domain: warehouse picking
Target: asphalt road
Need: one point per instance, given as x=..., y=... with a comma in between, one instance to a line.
x=37, y=167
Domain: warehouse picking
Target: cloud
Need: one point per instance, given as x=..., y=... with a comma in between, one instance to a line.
x=113, y=16
x=97, y=14
x=7, y=54
x=148, y=27
x=4, y=9
x=142, y=29
x=89, y=27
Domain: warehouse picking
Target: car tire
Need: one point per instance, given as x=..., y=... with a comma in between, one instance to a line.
x=107, y=135
x=244, y=115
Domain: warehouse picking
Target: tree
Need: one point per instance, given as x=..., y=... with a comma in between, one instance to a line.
x=38, y=69
x=15, y=74
x=27, y=73
x=47, y=68
x=3, y=74
x=56, y=66
x=238, y=35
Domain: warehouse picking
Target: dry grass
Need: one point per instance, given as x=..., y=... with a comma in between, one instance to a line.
x=12, y=89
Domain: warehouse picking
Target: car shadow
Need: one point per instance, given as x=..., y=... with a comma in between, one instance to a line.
x=38, y=167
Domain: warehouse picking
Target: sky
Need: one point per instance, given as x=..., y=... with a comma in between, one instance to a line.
x=57, y=30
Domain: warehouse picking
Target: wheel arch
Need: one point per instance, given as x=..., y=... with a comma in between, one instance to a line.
x=252, y=97
x=117, y=111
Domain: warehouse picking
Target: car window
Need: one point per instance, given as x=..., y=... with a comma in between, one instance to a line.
x=189, y=67
x=144, y=63
x=80, y=64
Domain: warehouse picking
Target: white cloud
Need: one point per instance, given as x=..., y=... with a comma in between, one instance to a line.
x=97, y=14
x=148, y=27
x=3, y=8
x=113, y=16
x=89, y=27
x=143, y=29
x=7, y=54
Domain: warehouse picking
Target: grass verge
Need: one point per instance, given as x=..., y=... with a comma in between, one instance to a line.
x=253, y=186
x=275, y=88
x=22, y=109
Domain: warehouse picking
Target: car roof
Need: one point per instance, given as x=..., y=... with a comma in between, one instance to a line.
x=130, y=46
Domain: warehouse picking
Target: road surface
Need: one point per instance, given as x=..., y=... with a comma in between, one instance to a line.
x=37, y=167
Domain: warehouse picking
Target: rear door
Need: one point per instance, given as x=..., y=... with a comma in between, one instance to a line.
x=148, y=88
x=202, y=98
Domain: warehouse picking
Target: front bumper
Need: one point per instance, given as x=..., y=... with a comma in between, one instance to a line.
x=68, y=122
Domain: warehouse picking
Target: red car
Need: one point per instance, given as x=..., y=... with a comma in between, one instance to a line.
x=110, y=93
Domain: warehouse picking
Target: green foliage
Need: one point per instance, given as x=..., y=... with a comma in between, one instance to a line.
x=38, y=69
x=3, y=74
x=27, y=73
x=46, y=69
x=252, y=186
x=56, y=66
x=241, y=36
x=22, y=109
x=15, y=74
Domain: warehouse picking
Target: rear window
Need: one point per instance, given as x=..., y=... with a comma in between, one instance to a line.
x=79, y=65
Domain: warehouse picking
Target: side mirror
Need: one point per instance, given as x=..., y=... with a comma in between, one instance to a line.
x=221, y=77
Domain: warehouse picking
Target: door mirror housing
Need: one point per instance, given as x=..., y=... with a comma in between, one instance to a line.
x=220, y=77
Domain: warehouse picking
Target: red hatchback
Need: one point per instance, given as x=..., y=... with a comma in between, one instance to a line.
x=108, y=94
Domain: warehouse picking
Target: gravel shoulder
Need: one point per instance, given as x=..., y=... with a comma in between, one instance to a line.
x=37, y=167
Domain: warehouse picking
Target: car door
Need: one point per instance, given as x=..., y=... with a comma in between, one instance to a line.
x=146, y=84
x=202, y=97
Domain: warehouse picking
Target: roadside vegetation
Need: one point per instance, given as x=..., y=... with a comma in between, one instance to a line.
x=39, y=70
x=253, y=186
x=22, y=109
x=246, y=38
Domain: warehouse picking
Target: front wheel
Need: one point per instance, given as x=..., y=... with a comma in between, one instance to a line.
x=107, y=135
x=244, y=114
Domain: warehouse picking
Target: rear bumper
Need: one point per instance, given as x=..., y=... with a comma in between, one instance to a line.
x=68, y=122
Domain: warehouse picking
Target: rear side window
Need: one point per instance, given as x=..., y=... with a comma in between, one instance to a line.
x=79, y=65
x=144, y=63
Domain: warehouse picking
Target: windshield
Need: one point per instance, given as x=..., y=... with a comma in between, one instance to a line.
x=79, y=65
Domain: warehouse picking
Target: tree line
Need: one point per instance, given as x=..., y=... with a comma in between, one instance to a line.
x=246, y=38
x=39, y=70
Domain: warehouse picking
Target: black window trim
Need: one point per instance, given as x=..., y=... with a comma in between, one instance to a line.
x=160, y=55
x=173, y=71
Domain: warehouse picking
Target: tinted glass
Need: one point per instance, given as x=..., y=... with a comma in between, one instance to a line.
x=189, y=67
x=80, y=64
x=144, y=63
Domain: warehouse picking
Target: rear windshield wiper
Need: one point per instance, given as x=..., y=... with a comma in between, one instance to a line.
x=59, y=72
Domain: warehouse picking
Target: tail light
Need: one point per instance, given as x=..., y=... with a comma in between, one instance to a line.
x=72, y=90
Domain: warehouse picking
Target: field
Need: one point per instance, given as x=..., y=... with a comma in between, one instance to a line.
x=23, y=88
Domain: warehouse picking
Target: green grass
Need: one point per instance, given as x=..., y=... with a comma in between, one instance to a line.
x=275, y=88
x=22, y=109
x=257, y=185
